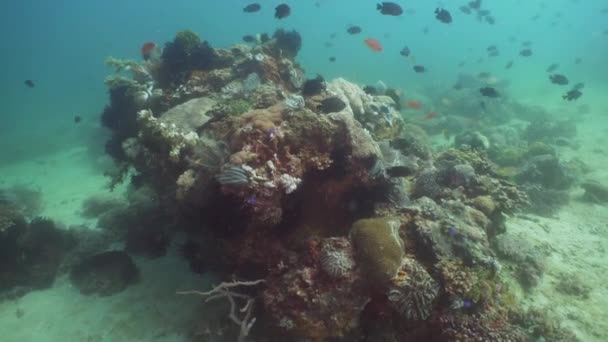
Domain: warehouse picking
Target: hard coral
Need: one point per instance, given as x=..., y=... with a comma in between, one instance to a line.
x=336, y=257
x=378, y=247
x=413, y=292
x=304, y=302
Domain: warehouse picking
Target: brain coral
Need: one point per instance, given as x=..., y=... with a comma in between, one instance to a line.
x=378, y=247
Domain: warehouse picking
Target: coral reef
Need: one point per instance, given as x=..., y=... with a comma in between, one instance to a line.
x=317, y=201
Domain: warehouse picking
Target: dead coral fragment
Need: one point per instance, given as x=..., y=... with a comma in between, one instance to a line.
x=378, y=246
x=413, y=291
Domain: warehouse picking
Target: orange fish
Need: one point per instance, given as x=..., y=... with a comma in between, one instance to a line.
x=373, y=44
x=430, y=116
x=147, y=49
x=413, y=104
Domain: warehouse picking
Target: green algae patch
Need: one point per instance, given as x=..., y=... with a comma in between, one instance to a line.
x=379, y=249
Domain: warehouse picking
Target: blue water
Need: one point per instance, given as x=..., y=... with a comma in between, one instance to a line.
x=61, y=45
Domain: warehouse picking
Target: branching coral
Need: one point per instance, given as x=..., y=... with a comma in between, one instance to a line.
x=246, y=320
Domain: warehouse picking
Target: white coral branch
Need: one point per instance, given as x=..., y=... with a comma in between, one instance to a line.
x=225, y=290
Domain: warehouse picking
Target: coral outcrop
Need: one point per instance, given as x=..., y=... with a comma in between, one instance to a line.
x=318, y=192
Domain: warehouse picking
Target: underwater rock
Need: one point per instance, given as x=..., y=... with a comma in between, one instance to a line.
x=395, y=164
x=595, y=191
x=548, y=130
x=474, y=140
x=413, y=141
x=351, y=94
x=427, y=184
x=104, y=274
x=544, y=201
x=528, y=260
x=189, y=116
x=546, y=170
x=30, y=254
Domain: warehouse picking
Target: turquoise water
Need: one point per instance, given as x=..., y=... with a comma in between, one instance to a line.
x=61, y=45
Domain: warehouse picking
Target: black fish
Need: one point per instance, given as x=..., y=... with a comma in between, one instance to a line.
x=313, y=86
x=489, y=92
x=534, y=18
x=443, y=15
x=476, y=4
x=578, y=60
x=526, y=52
x=527, y=43
x=552, y=67
x=425, y=30
x=332, y=59
x=370, y=90
x=249, y=39
x=77, y=119
x=389, y=8
x=572, y=95
x=483, y=13
x=405, y=51
x=465, y=9
x=354, y=29
x=579, y=85
x=493, y=53
x=491, y=47
x=509, y=65
x=331, y=105
x=559, y=79
x=282, y=11
x=29, y=83
x=419, y=68
x=490, y=20
x=252, y=8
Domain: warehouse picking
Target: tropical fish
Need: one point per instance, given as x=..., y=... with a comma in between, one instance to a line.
x=252, y=8
x=353, y=29
x=559, y=79
x=489, y=92
x=419, y=68
x=413, y=104
x=526, y=52
x=572, y=95
x=443, y=15
x=373, y=44
x=430, y=116
x=147, y=50
x=389, y=8
x=282, y=11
